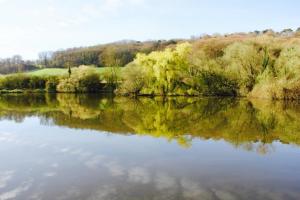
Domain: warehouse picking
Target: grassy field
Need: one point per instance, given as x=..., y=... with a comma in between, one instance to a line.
x=48, y=72
x=56, y=72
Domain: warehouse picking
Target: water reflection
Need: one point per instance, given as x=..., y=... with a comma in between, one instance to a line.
x=251, y=125
x=103, y=148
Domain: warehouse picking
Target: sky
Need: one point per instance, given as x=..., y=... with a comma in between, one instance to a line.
x=28, y=27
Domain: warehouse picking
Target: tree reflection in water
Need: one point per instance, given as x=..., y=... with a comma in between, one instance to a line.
x=249, y=124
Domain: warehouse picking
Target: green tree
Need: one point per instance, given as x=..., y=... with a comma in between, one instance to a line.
x=244, y=62
x=163, y=68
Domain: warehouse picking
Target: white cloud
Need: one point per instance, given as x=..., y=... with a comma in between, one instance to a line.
x=12, y=138
x=7, y=137
x=47, y=25
x=12, y=194
x=103, y=193
x=5, y=177
x=163, y=181
x=138, y=175
x=65, y=150
x=94, y=162
x=192, y=190
x=115, y=169
x=50, y=174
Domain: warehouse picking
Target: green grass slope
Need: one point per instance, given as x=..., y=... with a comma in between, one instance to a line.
x=56, y=71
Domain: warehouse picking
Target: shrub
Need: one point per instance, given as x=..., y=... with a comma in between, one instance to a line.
x=244, y=61
x=282, y=82
x=36, y=82
x=133, y=80
x=112, y=77
x=51, y=84
x=21, y=81
x=82, y=79
x=66, y=85
x=88, y=83
x=214, y=84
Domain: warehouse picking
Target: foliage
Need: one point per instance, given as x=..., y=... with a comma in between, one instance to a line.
x=283, y=81
x=51, y=84
x=244, y=61
x=133, y=80
x=251, y=125
x=214, y=84
x=82, y=79
x=111, y=76
x=20, y=81
x=109, y=55
x=261, y=64
x=16, y=64
x=178, y=71
x=162, y=69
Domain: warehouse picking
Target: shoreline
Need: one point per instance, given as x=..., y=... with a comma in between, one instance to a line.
x=109, y=92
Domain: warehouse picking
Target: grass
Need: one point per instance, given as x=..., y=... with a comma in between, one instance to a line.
x=48, y=72
x=56, y=71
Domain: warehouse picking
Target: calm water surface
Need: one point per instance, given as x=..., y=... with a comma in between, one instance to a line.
x=73, y=147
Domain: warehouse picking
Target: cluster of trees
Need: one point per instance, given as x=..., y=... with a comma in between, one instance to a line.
x=123, y=52
x=284, y=32
x=15, y=64
x=258, y=66
x=114, y=54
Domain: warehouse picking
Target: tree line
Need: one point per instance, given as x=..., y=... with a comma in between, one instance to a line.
x=257, y=64
x=16, y=64
x=114, y=54
x=123, y=52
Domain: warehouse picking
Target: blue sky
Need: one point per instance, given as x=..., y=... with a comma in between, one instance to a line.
x=32, y=26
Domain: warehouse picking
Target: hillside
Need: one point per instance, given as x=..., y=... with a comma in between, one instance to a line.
x=258, y=64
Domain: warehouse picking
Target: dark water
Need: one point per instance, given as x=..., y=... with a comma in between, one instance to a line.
x=101, y=148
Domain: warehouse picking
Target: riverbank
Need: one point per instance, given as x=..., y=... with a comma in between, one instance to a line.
x=246, y=67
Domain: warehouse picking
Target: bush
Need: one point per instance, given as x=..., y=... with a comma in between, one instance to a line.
x=51, y=84
x=21, y=81
x=133, y=80
x=82, y=79
x=282, y=82
x=245, y=62
x=112, y=77
x=36, y=82
x=89, y=83
x=66, y=85
x=214, y=84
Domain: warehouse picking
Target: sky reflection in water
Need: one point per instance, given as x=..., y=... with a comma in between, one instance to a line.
x=91, y=147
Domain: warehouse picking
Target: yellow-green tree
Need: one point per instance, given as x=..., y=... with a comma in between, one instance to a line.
x=164, y=68
x=244, y=62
